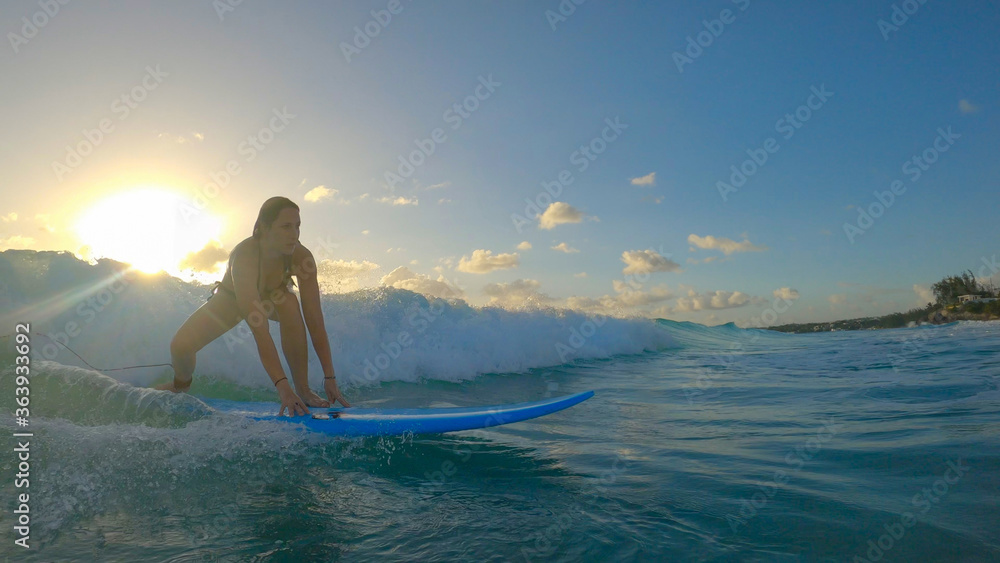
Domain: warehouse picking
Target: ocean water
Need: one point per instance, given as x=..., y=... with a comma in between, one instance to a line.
x=701, y=444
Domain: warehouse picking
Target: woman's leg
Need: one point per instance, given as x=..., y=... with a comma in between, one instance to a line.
x=210, y=321
x=295, y=347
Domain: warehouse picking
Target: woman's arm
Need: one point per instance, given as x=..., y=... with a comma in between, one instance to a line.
x=312, y=312
x=245, y=268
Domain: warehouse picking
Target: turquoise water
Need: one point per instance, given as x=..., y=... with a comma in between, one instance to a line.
x=726, y=445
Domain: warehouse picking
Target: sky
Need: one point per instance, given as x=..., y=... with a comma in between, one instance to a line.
x=712, y=161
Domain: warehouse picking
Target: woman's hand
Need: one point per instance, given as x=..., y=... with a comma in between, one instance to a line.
x=290, y=401
x=333, y=393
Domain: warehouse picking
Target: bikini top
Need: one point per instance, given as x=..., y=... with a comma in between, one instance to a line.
x=285, y=280
x=286, y=276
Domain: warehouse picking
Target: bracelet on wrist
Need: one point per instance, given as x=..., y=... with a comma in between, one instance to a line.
x=334, y=377
x=280, y=380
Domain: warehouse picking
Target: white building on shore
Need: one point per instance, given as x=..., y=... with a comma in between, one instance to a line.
x=975, y=299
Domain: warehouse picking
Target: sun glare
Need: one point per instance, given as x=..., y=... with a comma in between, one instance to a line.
x=151, y=229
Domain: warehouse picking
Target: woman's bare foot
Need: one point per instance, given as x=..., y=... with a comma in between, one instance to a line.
x=313, y=400
x=170, y=386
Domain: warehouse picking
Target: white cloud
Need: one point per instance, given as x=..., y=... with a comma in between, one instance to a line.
x=319, y=193
x=206, y=259
x=712, y=300
x=727, y=246
x=786, y=293
x=580, y=275
x=646, y=261
x=9, y=217
x=524, y=246
x=16, y=241
x=365, y=232
x=621, y=286
x=483, y=261
x=516, y=294
x=924, y=294
x=563, y=247
x=444, y=200
x=647, y=180
x=837, y=299
x=404, y=278
x=626, y=301
x=629, y=297
x=558, y=213
x=400, y=200
x=438, y=186
x=965, y=106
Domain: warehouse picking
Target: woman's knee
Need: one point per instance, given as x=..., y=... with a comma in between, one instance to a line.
x=285, y=306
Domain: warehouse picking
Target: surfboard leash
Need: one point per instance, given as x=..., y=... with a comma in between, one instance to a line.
x=85, y=361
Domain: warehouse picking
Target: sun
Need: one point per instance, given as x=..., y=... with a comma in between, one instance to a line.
x=150, y=228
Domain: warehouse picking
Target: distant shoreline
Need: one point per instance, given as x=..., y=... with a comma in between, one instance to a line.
x=929, y=315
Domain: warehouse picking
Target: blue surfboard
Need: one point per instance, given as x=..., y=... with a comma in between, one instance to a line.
x=356, y=421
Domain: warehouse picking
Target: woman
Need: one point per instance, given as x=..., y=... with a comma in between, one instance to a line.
x=268, y=259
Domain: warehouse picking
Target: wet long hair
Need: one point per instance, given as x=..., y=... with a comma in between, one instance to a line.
x=269, y=212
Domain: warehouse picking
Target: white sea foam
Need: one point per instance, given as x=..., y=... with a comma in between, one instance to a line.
x=376, y=335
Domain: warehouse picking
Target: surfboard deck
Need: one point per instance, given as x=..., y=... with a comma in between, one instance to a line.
x=355, y=421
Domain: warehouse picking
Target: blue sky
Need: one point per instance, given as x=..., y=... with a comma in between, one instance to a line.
x=554, y=83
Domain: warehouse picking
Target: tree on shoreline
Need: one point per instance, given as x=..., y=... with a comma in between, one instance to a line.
x=947, y=290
